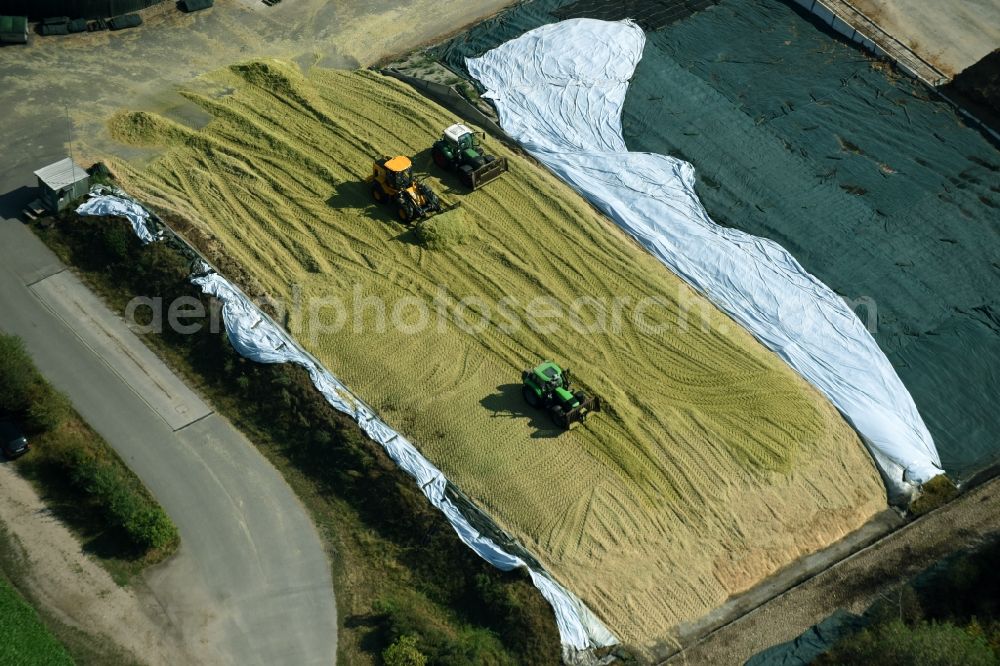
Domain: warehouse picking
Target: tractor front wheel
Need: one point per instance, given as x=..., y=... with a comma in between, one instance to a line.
x=559, y=416
x=465, y=175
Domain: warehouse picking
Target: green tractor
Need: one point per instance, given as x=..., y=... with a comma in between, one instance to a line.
x=458, y=149
x=546, y=386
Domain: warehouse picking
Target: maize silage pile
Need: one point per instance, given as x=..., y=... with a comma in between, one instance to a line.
x=874, y=186
x=713, y=465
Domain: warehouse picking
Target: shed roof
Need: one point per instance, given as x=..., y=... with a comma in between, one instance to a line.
x=61, y=174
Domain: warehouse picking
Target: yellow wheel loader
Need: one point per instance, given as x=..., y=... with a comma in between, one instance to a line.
x=392, y=183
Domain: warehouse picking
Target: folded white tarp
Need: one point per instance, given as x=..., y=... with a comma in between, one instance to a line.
x=111, y=201
x=257, y=337
x=559, y=91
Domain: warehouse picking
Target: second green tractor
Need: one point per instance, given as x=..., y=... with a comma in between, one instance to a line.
x=546, y=386
x=459, y=150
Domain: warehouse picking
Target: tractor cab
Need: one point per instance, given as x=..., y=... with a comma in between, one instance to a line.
x=396, y=172
x=459, y=150
x=550, y=376
x=460, y=137
x=546, y=386
x=392, y=182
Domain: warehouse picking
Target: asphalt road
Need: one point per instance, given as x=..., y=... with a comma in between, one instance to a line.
x=251, y=583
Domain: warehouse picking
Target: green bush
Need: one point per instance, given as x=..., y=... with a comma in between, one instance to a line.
x=936, y=492
x=451, y=645
x=126, y=503
x=48, y=409
x=116, y=241
x=927, y=644
x=16, y=374
x=25, y=393
x=404, y=652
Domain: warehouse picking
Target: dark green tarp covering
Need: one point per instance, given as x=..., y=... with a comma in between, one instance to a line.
x=876, y=186
x=813, y=642
x=649, y=14
x=12, y=23
x=194, y=5
x=40, y=9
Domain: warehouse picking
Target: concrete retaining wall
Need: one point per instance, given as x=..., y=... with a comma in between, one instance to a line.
x=847, y=20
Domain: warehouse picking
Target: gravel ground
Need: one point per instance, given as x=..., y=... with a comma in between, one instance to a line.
x=88, y=76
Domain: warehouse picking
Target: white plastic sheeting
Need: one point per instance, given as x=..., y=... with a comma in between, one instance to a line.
x=559, y=91
x=111, y=201
x=258, y=338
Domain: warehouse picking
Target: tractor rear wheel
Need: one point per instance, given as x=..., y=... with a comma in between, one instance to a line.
x=440, y=159
x=531, y=397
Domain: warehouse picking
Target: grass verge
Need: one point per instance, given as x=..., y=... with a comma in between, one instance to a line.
x=399, y=569
x=73, y=645
x=937, y=492
x=26, y=641
x=80, y=477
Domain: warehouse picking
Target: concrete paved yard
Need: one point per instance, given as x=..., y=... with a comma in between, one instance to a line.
x=950, y=34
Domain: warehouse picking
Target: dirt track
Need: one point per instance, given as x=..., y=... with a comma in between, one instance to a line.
x=67, y=583
x=855, y=583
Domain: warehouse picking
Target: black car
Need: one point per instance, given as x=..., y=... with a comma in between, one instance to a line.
x=12, y=440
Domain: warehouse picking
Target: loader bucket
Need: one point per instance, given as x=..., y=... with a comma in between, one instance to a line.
x=489, y=172
x=577, y=414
